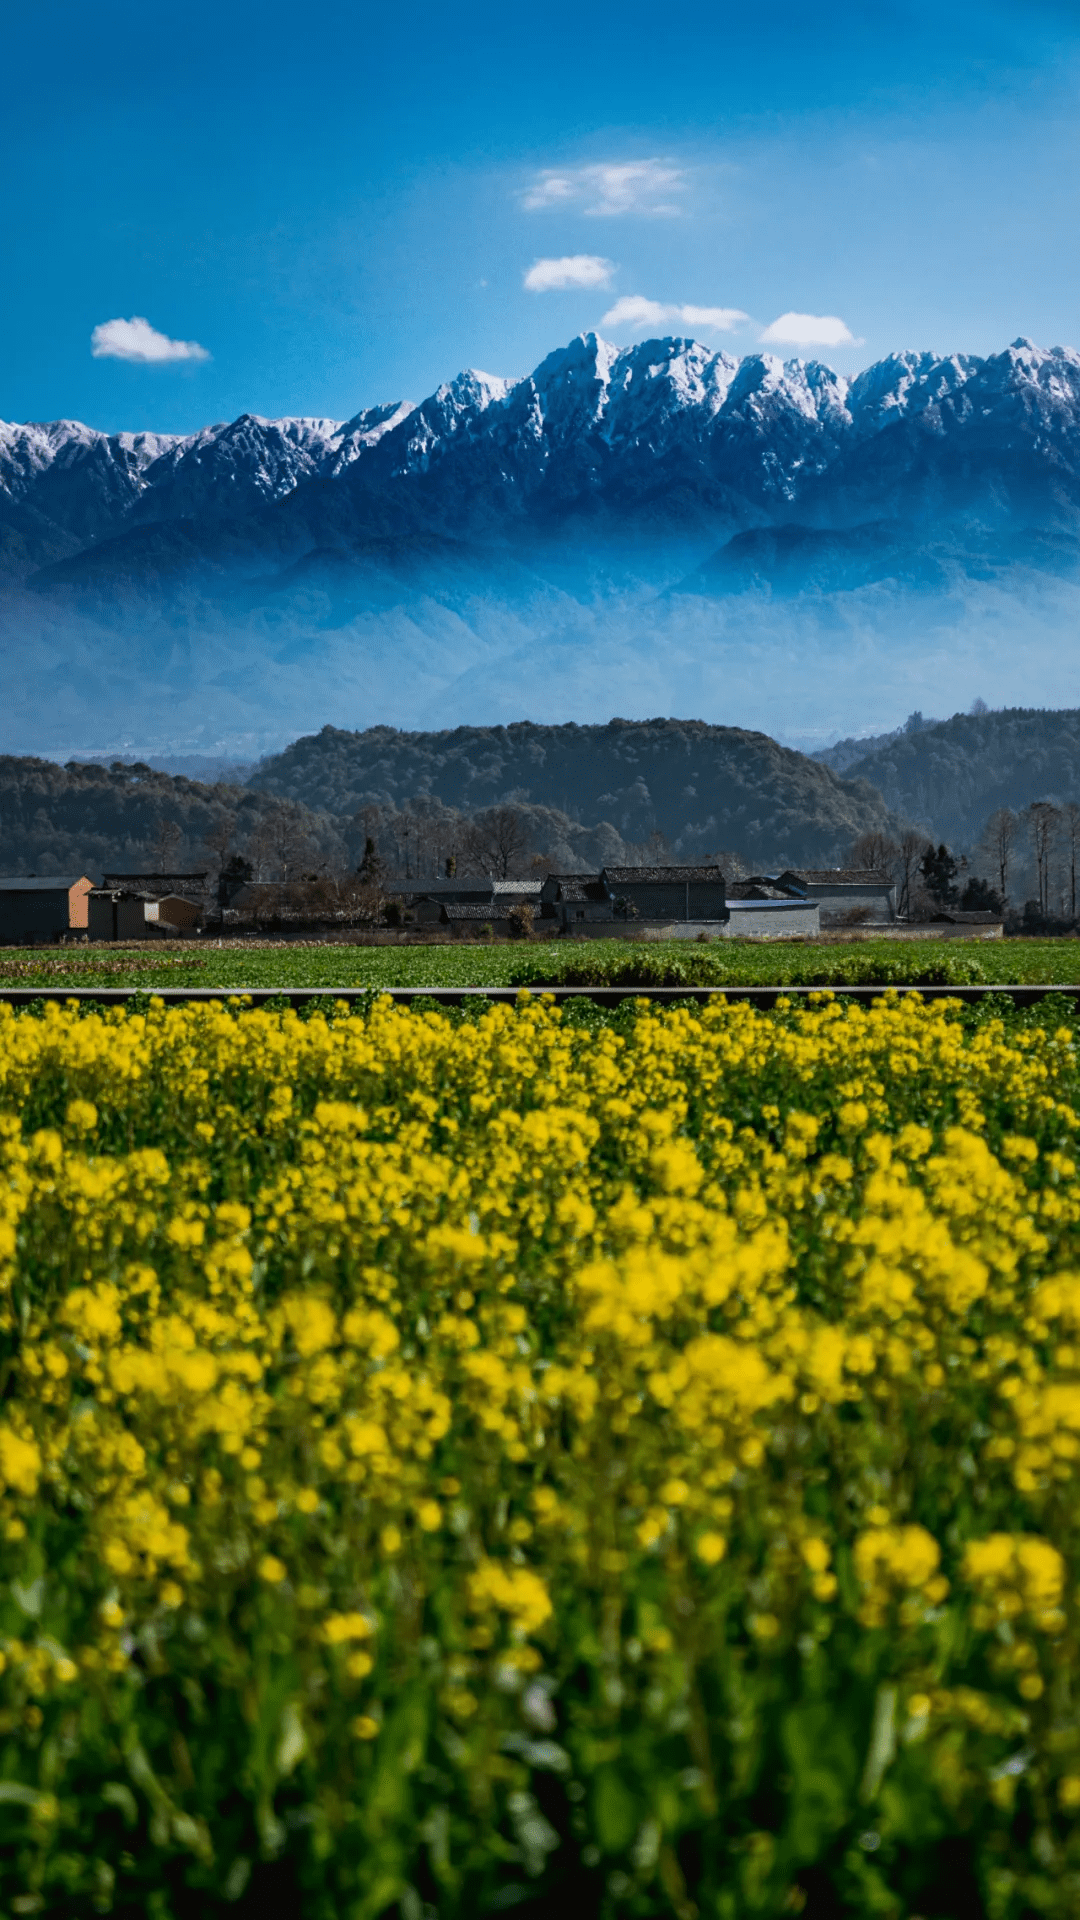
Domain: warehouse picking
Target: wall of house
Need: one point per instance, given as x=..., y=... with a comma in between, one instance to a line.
x=131, y=919
x=772, y=920
x=174, y=912
x=101, y=921
x=35, y=916
x=576, y=913
x=836, y=901
x=673, y=900
x=642, y=929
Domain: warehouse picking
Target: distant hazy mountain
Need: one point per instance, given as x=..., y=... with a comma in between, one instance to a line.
x=705, y=788
x=649, y=528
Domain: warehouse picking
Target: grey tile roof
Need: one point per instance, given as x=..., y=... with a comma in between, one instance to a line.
x=754, y=889
x=838, y=876
x=440, y=889
x=125, y=893
x=158, y=884
x=660, y=876
x=581, y=886
x=41, y=883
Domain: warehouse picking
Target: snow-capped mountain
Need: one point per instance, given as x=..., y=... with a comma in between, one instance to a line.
x=644, y=529
x=64, y=485
x=666, y=437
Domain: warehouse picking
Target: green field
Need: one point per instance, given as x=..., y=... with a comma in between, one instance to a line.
x=595, y=963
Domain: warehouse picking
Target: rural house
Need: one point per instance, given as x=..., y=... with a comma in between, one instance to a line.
x=573, y=898
x=431, y=899
x=466, y=917
x=33, y=908
x=666, y=893
x=845, y=893
x=623, y=897
x=122, y=913
x=764, y=909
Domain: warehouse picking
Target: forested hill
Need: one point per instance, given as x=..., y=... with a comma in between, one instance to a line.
x=84, y=818
x=702, y=787
x=950, y=776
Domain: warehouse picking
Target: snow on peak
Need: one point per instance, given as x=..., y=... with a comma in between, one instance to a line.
x=475, y=389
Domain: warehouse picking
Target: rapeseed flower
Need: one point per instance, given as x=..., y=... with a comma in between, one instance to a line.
x=408, y=1421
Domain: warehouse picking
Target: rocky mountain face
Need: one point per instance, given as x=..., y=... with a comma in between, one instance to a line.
x=665, y=438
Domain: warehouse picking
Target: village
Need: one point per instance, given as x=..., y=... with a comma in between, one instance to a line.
x=641, y=902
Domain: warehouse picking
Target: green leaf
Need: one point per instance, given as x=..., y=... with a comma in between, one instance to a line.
x=616, y=1813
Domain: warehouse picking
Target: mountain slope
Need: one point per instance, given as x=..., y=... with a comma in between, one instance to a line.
x=87, y=819
x=953, y=774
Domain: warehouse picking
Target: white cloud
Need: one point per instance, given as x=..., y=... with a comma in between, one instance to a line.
x=137, y=340
x=634, y=311
x=572, y=270
x=631, y=186
x=809, y=330
x=723, y=319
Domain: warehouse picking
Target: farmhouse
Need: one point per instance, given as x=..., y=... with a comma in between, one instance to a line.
x=42, y=909
x=430, y=899
x=574, y=898
x=845, y=893
x=124, y=913
x=667, y=893
x=629, y=895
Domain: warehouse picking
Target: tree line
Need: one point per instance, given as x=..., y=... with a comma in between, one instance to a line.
x=1024, y=864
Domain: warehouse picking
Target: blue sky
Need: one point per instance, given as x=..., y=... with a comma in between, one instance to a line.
x=339, y=204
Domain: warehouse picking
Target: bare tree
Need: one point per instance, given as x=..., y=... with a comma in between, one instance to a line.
x=909, y=852
x=280, y=846
x=1043, y=820
x=419, y=842
x=496, y=842
x=876, y=852
x=1070, y=833
x=998, y=844
x=167, y=838
x=656, y=852
x=218, y=840
x=731, y=865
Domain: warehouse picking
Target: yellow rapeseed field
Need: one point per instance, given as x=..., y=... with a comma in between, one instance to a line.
x=447, y=1464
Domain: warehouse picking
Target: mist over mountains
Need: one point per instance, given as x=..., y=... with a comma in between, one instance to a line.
x=654, y=528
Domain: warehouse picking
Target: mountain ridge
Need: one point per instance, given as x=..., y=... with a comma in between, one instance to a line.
x=664, y=431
